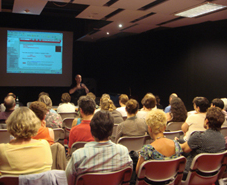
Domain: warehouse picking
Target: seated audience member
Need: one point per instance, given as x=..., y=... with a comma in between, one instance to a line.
x=161, y=148
x=158, y=105
x=92, y=95
x=132, y=126
x=178, y=112
x=123, y=98
x=53, y=120
x=149, y=103
x=103, y=96
x=194, y=122
x=108, y=105
x=219, y=103
x=66, y=106
x=102, y=155
x=173, y=95
x=40, y=109
x=210, y=141
x=9, y=103
x=82, y=132
x=24, y=155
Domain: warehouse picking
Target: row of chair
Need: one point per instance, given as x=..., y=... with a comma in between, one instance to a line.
x=159, y=171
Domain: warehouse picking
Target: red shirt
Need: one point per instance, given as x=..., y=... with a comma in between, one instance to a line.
x=81, y=132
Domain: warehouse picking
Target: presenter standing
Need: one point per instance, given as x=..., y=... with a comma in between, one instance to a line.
x=79, y=90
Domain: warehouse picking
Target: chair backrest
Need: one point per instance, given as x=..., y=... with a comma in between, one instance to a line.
x=68, y=114
x=224, y=131
x=77, y=145
x=173, y=134
x=9, y=180
x=4, y=136
x=148, y=139
x=132, y=142
x=3, y=126
x=59, y=135
x=111, y=178
x=67, y=125
x=205, y=168
x=162, y=171
x=174, y=126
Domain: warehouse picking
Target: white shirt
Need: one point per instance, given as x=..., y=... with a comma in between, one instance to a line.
x=66, y=107
x=122, y=111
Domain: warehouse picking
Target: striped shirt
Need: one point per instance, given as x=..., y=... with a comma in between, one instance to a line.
x=97, y=157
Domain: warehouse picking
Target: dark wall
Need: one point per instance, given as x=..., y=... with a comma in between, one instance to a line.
x=189, y=61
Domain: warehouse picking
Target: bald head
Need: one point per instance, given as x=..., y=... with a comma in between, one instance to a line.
x=9, y=102
x=78, y=79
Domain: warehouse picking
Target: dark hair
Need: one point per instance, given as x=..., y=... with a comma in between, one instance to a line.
x=123, y=98
x=149, y=101
x=218, y=103
x=215, y=118
x=102, y=125
x=65, y=97
x=178, y=110
x=202, y=103
x=87, y=104
x=39, y=108
x=132, y=106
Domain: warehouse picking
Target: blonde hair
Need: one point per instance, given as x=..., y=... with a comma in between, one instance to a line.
x=23, y=123
x=107, y=104
x=156, y=120
x=46, y=99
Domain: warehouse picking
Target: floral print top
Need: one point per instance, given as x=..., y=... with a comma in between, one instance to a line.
x=148, y=152
x=53, y=120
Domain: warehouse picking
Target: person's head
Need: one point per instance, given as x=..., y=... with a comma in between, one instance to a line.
x=105, y=96
x=149, y=101
x=43, y=93
x=9, y=102
x=173, y=95
x=46, y=99
x=107, y=104
x=217, y=103
x=156, y=121
x=87, y=105
x=23, y=123
x=92, y=95
x=12, y=94
x=157, y=100
x=214, y=118
x=123, y=98
x=78, y=78
x=201, y=103
x=39, y=108
x=132, y=106
x=65, y=97
x=178, y=110
x=102, y=125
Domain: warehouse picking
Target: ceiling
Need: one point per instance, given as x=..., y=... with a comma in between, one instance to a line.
x=135, y=16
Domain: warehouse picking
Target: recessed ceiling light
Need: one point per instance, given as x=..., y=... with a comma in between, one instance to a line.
x=107, y=33
x=200, y=10
x=120, y=25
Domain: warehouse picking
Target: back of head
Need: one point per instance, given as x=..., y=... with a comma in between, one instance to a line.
x=23, y=123
x=39, y=108
x=65, y=97
x=43, y=93
x=173, y=95
x=149, y=101
x=12, y=94
x=105, y=96
x=202, y=103
x=92, y=95
x=9, y=102
x=156, y=120
x=178, y=110
x=87, y=104
x=107, y=104
x=215, y=118
x=132, y=106
x=46, y=99
x=218, y=103
x=123, y=98
x=102, y=125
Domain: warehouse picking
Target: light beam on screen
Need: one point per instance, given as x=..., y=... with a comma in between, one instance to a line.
x=32, y=52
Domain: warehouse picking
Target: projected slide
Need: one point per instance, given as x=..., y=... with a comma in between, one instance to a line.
x=34, y=52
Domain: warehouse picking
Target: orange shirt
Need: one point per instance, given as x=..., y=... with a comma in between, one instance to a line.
x=43, y=133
